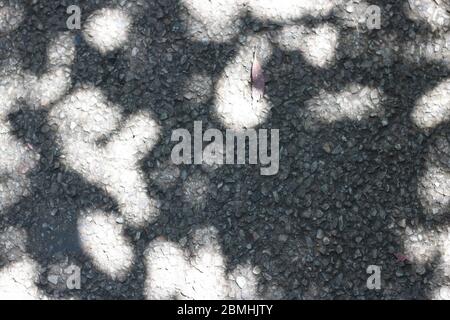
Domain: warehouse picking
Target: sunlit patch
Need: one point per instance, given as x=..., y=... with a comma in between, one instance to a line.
x=167, y=269
x=174, y=273
x=354, y=103
x=11, y=88
x=317, y=45
x=18, y=281
x=434, y=189
x=442, y=293
x=13, y=187
x=218, y=20
x=107, y=29
x=11, y=16
x=433, y=108
x=88, y=117
x=434, y=48
x=421, y=247
x=234, y=104
x=107, y=152
x=429, y=11
x=434, y=184
x=61, y=51
x=445, y=252
x=288, y=10
x=213, y=19
x=48, y=88
x=102, y=239
x=425, y=247
x=54, y=83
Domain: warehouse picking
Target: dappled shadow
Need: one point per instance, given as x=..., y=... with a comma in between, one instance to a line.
x=344, y=197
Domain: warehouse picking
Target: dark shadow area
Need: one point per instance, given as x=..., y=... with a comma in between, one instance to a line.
x=361, y=195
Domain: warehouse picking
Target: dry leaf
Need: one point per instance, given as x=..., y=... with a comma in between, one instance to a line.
x=401, y=257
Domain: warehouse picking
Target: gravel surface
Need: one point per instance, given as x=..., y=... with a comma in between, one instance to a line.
x=87, y=180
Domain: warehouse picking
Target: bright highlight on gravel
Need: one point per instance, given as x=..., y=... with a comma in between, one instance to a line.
x=434, y=182
x=429, y=11
x=55, y=82
x=135, y=161
x=434, y=189
x=213, y=18
x=288, y=10
x=11, y=16
x=433, y=109
x=354, y=103
x=234, y=103
x=218, y=19
x=107, y=29
x=18, y=281
x=102, y=239
x=428, y=247
x=317, y=45
x=173, y=274
x=85, y=119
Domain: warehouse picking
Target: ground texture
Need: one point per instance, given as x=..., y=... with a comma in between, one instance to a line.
x=87, y=180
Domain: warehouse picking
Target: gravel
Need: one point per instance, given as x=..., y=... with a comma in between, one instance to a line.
x=87, y=180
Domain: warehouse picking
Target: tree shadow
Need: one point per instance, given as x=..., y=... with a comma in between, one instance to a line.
x=357, y=195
